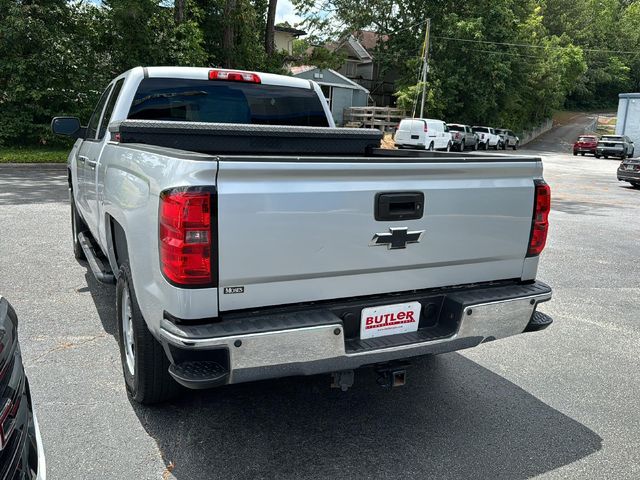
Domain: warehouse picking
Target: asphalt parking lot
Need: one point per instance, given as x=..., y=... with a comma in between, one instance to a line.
x=562, y=403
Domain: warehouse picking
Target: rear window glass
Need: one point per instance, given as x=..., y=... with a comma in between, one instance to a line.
x=611, y=139
x=406, y=124
x=481, y=129
x=456, y=128
x=226, y=102
x=586, y=139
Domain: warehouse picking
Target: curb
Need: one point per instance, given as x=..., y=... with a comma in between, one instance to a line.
x=47, y=166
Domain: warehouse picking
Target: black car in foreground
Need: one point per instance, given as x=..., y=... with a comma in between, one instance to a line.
x=21, y=453
x=629, y=171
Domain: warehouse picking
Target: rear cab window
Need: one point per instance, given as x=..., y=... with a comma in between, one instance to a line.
x=189, y=100
x=456, y=128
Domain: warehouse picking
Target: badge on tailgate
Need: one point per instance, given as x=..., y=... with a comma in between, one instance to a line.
x=398, y=237
x=389, y=320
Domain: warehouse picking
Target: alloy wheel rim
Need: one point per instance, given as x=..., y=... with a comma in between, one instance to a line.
x=127, y=332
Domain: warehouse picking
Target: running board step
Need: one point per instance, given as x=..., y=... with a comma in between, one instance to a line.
x=98, y=265
x=539, y=321
x=199, y=374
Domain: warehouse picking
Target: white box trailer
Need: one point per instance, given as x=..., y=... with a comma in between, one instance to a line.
x=628, y=122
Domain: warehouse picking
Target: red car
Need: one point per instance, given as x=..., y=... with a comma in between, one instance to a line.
x=585, y=144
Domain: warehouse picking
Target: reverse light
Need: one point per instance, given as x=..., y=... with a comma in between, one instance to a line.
x=540, y=221
x=185, y=236
x=234, y=76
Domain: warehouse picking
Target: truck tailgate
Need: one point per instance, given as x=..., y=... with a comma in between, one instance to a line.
x=296, y=231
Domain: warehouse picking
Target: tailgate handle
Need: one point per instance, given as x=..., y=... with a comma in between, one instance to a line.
x=399, y=206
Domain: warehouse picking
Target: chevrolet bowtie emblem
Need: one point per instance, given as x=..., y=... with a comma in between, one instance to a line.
x=397, y=238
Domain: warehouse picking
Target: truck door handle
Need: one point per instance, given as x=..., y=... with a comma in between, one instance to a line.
x=82, y=159
x=92, y=164
x=399, y=206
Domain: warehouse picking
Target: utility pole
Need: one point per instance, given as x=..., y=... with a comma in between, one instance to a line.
x=425, y=65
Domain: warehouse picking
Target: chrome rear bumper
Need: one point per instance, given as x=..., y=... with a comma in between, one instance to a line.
x=319, y=349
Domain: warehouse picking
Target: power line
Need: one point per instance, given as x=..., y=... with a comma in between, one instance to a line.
x=528, y=45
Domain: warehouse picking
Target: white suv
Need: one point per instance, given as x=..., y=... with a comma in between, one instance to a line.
x=423, y=133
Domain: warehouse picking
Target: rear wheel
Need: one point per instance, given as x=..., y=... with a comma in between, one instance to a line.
x=448, y=147
x=144, y=364
x=635, y=184
x=77, y=226
x=596, y=155
x=606, y=157
x=582, y=153
x=431, y=149
x=461, y=146
x=623, y=156
x=486, y=145
x=475, y=146
x=504, y=146
x=575, y=154
x=515, y=146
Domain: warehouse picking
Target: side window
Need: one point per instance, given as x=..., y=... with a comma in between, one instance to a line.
x=92, y=128
x=446, y=127
x=106, y=116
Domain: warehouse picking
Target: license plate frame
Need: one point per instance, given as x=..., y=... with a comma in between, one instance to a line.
x=387, y=320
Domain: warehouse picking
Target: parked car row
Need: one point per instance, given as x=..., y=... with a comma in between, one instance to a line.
x=431, y=134
x=607, y=146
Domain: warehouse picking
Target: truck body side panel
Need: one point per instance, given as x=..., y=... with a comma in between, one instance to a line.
x=130, y=180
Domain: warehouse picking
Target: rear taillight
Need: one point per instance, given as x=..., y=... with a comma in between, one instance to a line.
x=426, y=128
x=540, y=222
x=246, y=77
x=186, y=236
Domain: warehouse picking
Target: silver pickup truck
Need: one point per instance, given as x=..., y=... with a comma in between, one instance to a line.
x=249, y=238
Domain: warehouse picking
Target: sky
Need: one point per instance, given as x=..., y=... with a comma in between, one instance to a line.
x=286, y=13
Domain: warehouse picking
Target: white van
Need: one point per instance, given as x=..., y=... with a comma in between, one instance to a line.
x=423, y=133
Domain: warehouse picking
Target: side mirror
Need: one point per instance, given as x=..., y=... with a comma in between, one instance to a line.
x=69, y=126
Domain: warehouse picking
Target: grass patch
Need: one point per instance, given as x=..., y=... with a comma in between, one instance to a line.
x=34, y=154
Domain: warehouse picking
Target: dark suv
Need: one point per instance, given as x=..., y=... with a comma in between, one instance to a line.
x=21, y=454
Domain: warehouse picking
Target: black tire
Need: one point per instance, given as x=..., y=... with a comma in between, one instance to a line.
x=515, y=146
x=623, y=156
x=150, y=381
x=475, y=147
x=596, y=155
x=575, y=154
x=431, y=147
x=486, y=145
x=448, y=149
x=461, y=146
x=582, y=153
x=504, y=146
x=77, y=226
x=606, y=157
x=635, y=185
